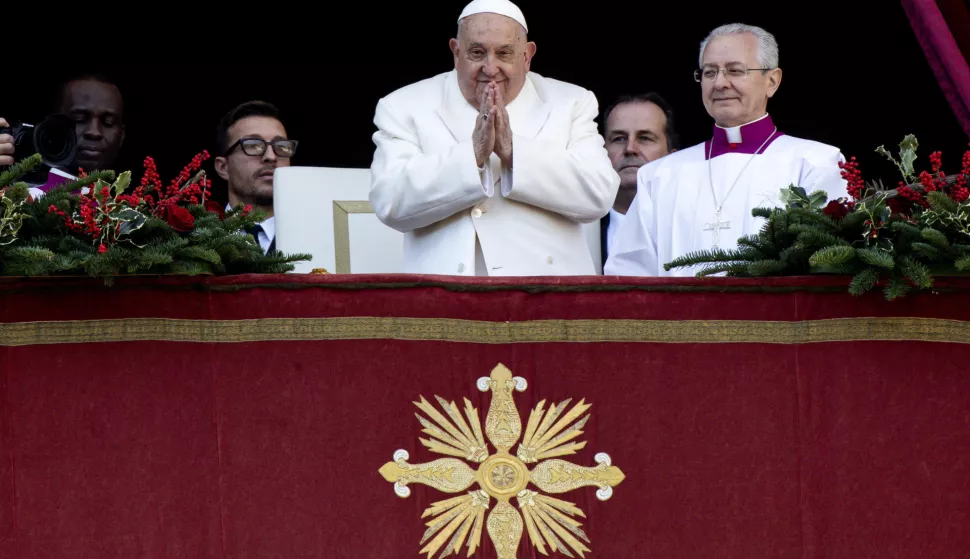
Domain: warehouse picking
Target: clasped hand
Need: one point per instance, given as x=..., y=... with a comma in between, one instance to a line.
x=492, y=131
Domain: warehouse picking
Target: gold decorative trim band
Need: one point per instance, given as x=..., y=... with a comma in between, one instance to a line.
x=482, y=332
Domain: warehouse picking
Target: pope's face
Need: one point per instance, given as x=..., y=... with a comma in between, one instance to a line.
x=736, y=100
x=491, y=47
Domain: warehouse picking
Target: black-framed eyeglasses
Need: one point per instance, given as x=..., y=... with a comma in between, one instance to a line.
x=732, y=73
x=257, y=146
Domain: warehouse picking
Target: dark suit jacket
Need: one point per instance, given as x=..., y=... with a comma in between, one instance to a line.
x=604, y=227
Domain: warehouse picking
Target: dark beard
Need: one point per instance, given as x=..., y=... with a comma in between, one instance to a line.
x=265, y=201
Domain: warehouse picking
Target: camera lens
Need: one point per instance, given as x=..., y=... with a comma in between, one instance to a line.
x=55, y=140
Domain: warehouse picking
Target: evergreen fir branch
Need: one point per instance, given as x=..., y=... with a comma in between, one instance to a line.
x=905, y=228
x=853, y=222
x=810, y=217
x=960, y=249
x=28, y=261
x=147, y=259
x=713, y=255
x=941, y=203
x=72, y=188
x=876, y=257
x=18, y=192
x=838, y=256
x=916, y=272
x=796, y=257
x=757, y=244
x=936, y=238
x=73, y=244
x=762, y=212
x=70, y=262
x=815, y=238
x=199, y=253
x=236, y=220
x=46, y=241
x=864, y=281
x=733, y=269
x=775, y=232
x=962, y=264
x=764, y=268
x=191, y=268
x=896, y=288
x=20, y=169
x=926, y=251
x=102, y=265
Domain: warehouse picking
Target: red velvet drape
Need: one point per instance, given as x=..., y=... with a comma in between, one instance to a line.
x=779, y=418
x=943, y=30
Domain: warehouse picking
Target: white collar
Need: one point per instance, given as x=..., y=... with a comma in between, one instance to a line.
x=734, y=133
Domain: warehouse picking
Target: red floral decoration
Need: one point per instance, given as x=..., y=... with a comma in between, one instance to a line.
x=908, y=197
x=107, y=216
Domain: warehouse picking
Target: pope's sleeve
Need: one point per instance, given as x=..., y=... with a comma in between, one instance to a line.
x=577, y=181
x=634, y=250
x=411, y=189
x=823, y=172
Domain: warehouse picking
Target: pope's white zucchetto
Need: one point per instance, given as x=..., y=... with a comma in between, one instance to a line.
x=501, y=7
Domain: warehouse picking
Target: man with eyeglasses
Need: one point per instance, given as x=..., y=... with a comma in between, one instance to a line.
x=251, y=143
x=701, y=198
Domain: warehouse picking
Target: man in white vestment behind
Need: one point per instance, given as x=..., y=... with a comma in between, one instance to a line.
x=701, y=197
x=490, y=169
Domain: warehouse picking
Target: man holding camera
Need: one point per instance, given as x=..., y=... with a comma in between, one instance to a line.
x=95, y=106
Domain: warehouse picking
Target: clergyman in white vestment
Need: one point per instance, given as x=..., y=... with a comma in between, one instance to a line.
x=701, y=197
x=490, y=169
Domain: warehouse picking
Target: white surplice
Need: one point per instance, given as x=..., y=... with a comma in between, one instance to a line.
x=673, y=213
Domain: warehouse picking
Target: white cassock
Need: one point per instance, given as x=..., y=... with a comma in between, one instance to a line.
x=458, y=220
x=675, y=213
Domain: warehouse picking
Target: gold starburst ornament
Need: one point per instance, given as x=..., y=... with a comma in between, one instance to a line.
x=549, y=434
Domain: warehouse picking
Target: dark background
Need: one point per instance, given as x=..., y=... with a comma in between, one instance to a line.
x=855, y=79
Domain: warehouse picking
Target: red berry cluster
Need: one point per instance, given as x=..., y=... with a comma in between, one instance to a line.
x=910, y=194
x=959, y=191
x=853, y=176
x=194, y=193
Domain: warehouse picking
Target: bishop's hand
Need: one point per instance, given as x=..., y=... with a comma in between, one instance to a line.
x=503, y=129
x=483, y=137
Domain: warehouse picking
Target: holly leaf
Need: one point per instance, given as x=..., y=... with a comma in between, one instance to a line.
x=818, y=199
x=793, y=196
x=131, y=221
x=124, y=179
x=907, y=154
x=98, y=186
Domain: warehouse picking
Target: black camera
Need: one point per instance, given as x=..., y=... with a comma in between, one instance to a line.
x=55, y=139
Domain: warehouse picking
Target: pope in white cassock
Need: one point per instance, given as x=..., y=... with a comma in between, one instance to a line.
x=491, y=169
x=701, y=198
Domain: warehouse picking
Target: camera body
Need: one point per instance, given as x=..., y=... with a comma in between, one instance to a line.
x=54, y=138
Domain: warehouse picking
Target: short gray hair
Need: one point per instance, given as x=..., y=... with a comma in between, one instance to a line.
x=767, y=45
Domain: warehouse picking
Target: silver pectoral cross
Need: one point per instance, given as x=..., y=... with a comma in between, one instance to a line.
x=716, y=227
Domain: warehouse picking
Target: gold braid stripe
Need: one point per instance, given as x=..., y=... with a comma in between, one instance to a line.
x=475, y=331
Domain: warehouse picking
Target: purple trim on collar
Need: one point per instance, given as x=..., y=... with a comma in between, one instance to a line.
x=752, y=136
